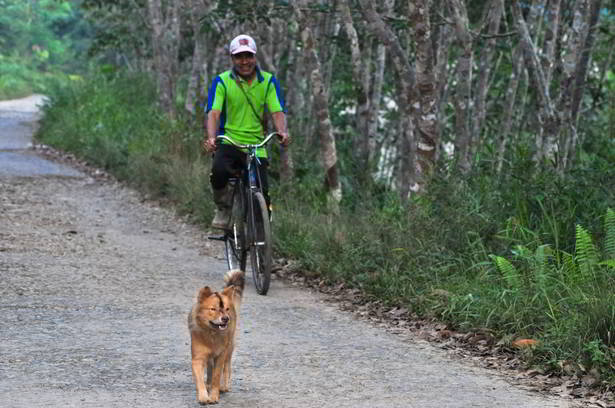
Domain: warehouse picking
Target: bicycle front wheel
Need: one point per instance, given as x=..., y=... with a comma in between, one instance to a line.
x=235, y=243
x=259, y=232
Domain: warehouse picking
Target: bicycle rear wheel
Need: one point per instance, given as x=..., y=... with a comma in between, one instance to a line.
x=259, y=233
x=235, y=244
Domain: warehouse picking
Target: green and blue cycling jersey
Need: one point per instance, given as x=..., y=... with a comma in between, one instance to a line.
x=237, y=119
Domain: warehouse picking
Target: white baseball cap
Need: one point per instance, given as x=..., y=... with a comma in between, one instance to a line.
x=242, y=43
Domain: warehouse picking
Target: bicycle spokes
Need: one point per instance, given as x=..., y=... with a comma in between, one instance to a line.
x=260, y=243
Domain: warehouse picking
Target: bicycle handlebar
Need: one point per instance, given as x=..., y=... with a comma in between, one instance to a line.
x=249, y=146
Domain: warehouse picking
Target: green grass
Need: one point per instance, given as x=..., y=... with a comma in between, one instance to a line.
x=524, y=255
x=15, y=80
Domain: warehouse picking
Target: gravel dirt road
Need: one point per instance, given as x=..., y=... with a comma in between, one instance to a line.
x=96, y=284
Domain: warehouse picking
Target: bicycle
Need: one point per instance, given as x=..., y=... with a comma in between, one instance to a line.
x=249, y=227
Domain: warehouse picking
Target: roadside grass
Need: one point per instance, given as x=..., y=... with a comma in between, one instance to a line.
x=525, y=255
x=15, y=81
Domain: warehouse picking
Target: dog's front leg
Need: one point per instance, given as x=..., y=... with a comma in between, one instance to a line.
x=226, y=371
x=214, y=395
x=198, y=373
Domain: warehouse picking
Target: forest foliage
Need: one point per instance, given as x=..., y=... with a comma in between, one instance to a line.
x=41, y=42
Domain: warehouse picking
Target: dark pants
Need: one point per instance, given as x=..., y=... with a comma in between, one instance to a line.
x=228, y=162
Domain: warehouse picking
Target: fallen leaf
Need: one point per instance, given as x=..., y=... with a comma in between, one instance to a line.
x=524, y=343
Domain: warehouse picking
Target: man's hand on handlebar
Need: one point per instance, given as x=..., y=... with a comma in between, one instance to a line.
x=284, y=138
x=209, y=144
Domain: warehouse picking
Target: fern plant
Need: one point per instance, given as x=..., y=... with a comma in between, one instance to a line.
x=508, y=271
x=609, y=239
x=541, y=266
x=577, y=270
x=586, y=254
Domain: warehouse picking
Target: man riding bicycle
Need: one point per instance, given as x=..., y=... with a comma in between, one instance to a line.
x=236, y=106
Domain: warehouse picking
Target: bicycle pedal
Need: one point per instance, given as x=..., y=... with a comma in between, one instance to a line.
x=217, y=237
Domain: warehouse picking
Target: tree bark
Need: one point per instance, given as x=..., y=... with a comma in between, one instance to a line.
x=359, y=67
x=549, y=118
x=551, y=34
x=374, y=139
x=576, y=62
x=485, y=66
x=586, y=50
x=165, y=31
x=321, y=109
x=427, y=124
x=509, y=106
x=408, y=180
x=387, y=37
x=198, y=72
x=409, y=167
x=443, y=38
x=463, y=138
x=293, y=86
x=325, y=32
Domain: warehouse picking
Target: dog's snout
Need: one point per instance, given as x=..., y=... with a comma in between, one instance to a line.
x=224, y=319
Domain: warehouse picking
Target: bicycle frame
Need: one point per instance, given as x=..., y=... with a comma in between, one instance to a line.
x=256, y=235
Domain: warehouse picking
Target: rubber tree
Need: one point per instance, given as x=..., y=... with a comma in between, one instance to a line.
x=165, y=26
x=321, y=108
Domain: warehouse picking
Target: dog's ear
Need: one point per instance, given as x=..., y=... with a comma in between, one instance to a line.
x=204, y=293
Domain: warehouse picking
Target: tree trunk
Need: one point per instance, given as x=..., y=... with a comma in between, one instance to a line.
x=266, y=48
x=551, y=34
x=443, y=37
x=463, y=138
x=299, y=96
x=391, y=42
x=364, y=108
x=358, y=63
x=165, y=26
x=484, y=75
x=198, y=73
x=509, y=106
x=407, y=85
x=583, y=63
x=326, y=48
x=549, y=118
x=576, y=62
x=293, y=79
x=321, y=110
x=428, y=137
x=287, y=165
x=408, y=183
x=374, y=139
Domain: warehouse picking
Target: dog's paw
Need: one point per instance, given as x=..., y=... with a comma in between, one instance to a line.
x=208, y=401
x=205, y=399
x=214, y=397
x=224, y=389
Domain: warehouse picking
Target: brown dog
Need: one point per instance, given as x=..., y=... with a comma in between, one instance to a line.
x=212, y=323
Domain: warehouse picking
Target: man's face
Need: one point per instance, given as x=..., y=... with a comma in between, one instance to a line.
x=245, y=63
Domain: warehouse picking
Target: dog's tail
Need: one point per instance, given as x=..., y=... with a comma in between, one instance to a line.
x=235, y=279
